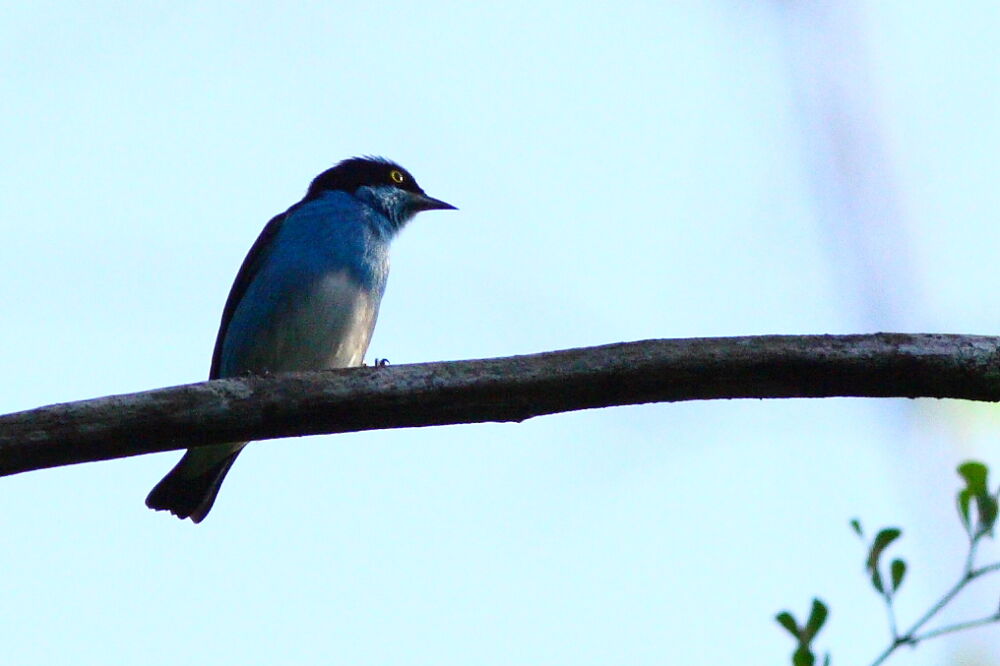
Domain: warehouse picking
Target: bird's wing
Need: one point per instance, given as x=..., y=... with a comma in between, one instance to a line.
x=251, y=265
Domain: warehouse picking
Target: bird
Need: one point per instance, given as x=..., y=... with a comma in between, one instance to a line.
x=305, y=298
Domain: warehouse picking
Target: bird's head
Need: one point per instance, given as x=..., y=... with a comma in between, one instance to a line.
x=379, y=182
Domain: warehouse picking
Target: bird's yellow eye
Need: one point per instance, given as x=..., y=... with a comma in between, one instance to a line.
x=397, y=176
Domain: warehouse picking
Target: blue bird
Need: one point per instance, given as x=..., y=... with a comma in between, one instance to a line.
x=305, y=298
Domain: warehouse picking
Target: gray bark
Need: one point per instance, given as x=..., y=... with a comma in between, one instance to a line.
x=502, y=389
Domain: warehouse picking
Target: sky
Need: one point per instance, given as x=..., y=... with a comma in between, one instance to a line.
x=624, y=171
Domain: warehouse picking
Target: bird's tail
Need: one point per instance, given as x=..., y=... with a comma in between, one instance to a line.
x=190, y=488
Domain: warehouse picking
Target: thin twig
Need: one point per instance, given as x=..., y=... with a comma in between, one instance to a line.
x=891, y=612
x=959, y=626
x=968, y=575
x=988, y=569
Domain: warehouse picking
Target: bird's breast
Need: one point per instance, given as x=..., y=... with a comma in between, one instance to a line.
x=324, y=322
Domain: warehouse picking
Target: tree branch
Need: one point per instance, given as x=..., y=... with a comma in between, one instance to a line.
x=501, y=389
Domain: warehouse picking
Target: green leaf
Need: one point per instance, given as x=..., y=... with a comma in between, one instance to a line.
x=856, y=526
x=817, y=616
x=964, y=496
x=975, y=474
x=987, y=506
x=786, y=620
x=826, y=659
x=803, y=657
x=877, y=581
x=898, y=570
x=881, y=542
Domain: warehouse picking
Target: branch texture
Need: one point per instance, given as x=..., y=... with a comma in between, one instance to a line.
x=880, y=365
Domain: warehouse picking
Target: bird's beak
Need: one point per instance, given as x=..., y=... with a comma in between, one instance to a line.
x=424, y=202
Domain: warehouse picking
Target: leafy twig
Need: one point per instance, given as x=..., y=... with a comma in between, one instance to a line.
x=977, y=526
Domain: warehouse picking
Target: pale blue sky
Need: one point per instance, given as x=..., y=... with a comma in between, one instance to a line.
x=626, y=171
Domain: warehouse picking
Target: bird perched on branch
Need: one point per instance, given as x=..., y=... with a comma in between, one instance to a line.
x=305, y=298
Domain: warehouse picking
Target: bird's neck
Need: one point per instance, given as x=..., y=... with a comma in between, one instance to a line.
x=391, y=206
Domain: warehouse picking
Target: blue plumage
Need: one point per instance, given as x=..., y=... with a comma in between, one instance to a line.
x=305, y=298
